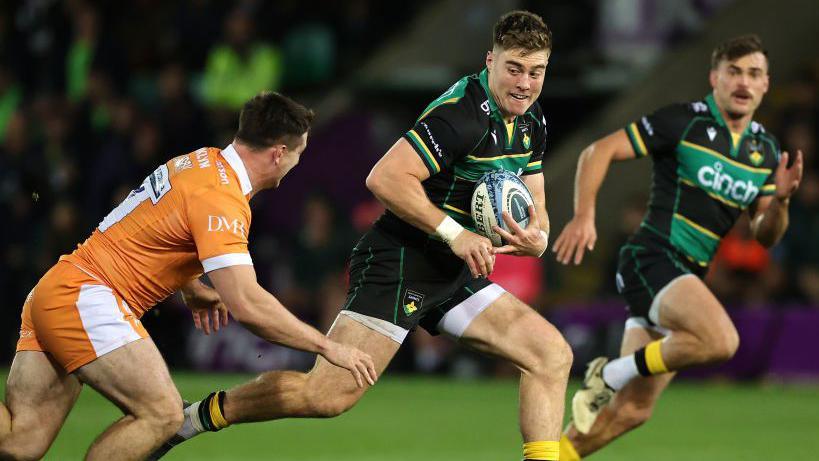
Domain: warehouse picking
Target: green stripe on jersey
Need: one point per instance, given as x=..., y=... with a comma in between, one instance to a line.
x=428, y=157
x=694, y=240
x=450, y=96
x=473, y=167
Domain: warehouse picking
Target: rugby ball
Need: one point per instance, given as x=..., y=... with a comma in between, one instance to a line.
x=496, y=192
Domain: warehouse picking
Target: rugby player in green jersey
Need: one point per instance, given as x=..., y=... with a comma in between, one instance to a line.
x=423, y=265
x=711, y=162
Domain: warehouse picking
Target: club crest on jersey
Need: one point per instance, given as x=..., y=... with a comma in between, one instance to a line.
x=755, y=156
x=183, y=162
x=413, y=301
x=524, y=130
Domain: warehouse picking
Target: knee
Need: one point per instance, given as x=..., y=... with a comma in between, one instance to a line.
x=724, y=346
x=165, y=418
x=553, y=358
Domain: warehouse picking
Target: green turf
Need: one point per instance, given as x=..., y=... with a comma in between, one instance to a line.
x=443, y=420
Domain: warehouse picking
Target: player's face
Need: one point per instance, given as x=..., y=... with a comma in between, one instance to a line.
x=740, y=85
x=290, y=158
x=516, y=78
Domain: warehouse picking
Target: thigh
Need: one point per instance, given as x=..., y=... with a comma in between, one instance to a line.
x=688, y=305
x=328, y=379
x=75, y=318
x=39, y=396
x=644, y=390
x=135, y=378
x=510, y=329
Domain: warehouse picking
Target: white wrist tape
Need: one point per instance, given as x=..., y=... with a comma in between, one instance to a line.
x=545, y=237
x=448, y=230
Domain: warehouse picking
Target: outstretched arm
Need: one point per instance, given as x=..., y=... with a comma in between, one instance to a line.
x=580, y=233
x=263, y=314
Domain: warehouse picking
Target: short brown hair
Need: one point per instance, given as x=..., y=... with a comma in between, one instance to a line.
x=522, y=29
x=737, y=47
x=270, y=118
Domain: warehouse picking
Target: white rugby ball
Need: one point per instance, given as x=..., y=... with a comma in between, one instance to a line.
x=494, y=193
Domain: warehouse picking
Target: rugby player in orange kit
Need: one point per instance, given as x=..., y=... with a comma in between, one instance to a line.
x=80, y=323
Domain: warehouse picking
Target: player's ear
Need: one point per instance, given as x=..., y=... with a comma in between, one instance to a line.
x=712, y=78
x=277, y=152
x=489, y=58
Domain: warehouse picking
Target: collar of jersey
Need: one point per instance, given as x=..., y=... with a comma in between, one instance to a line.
x=236, y=163
x=712, y=105
x=483, y=77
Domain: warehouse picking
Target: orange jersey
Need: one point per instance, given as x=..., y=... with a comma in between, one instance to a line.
x=191, y=215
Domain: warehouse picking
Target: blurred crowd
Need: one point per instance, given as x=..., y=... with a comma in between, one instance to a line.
x=94, y=95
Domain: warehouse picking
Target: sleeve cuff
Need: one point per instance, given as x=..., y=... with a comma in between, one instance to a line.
x=230, y=259
x=423, y=151
x=533, y=167
x=636, y=140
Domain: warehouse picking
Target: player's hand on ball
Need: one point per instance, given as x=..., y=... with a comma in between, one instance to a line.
x=577, y=237
x=358, y=362
x=787, y=179
x=208, y=310
x=476, y=250
x=522, y=242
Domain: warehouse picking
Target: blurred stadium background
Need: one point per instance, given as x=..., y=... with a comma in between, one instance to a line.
x=94, y=94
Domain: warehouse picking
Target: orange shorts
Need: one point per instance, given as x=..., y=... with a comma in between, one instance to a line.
x=76, y=318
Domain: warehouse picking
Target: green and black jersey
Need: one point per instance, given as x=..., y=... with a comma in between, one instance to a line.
x=704, y=175
x=462, y=135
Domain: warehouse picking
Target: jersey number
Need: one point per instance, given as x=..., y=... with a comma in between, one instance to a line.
x=154, y=187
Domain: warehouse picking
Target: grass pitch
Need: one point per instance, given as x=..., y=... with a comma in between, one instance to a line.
x=413, y=419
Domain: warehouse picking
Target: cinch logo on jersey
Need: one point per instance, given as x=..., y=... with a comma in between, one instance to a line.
x=718, y=181
x=223, y=224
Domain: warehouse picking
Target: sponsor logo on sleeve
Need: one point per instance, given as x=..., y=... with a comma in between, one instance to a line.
x=202, y=158
x=699, y=106
x=432, y=140
x=647, y=126
x=224, y=224
x=485, y=107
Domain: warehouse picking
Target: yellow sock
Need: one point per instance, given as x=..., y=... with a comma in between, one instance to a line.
x=543, y=450
x=216, y=411
x=654, y=358
x=567, y=450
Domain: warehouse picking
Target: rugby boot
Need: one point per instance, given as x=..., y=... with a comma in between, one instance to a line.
x=590, y=400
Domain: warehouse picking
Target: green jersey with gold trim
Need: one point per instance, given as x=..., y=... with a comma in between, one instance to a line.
x=704, y=176
x=462, y=135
